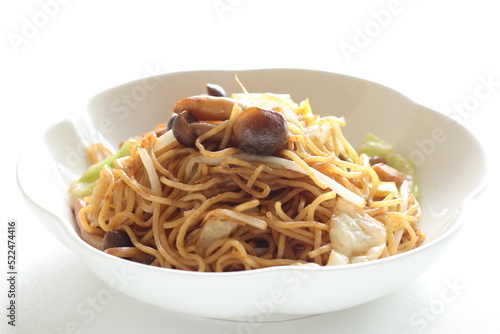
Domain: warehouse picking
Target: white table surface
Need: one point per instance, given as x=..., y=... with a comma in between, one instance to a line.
x=55, y=54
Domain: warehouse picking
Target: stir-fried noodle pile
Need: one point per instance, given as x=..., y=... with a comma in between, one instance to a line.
x=227, y=200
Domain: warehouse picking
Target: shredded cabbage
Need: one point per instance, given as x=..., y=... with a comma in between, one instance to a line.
x=356, y=236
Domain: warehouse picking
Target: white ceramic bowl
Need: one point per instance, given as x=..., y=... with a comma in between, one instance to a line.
x=447, y=181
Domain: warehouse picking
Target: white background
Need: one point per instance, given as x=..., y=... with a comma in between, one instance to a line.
x=56, y=54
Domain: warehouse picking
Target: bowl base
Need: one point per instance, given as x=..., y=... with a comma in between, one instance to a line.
x=270, y=317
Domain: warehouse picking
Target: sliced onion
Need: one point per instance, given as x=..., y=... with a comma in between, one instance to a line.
x=241, y=217
x=150, y=169
x=164, y=140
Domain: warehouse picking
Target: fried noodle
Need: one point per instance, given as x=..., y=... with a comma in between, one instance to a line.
x=215, y=208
